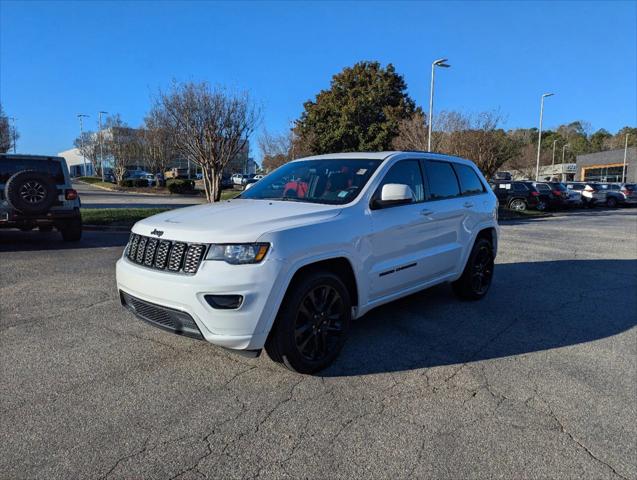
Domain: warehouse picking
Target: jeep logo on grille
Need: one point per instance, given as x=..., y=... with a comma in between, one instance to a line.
x=159, y=233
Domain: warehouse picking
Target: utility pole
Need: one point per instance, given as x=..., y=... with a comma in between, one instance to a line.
x=14, y=133
x=553, y=162
x=99, y=115
x=539, y=136
x=441, y=62
x=563, y=150
x=81, y=116
x=625, y=157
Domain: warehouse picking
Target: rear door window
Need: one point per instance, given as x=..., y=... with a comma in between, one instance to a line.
x=470, y=184
x=520, y=187
x=441, y=179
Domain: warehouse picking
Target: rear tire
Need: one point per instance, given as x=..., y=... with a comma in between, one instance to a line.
x=611, y=202
x=312, y=325
x=71, y=230
x=478, y=272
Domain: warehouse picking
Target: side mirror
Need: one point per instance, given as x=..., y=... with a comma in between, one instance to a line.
x=393, y=194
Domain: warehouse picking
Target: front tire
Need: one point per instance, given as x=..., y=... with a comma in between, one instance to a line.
x=312, y=324
x=478, y=272
x=611, y=202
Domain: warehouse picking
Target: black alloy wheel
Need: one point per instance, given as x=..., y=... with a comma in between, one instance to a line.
x=482, y=270
x=478, y=272
x=312, y=324
x=319, y=323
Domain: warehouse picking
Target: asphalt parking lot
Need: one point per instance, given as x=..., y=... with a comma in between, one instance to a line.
x=539, y=380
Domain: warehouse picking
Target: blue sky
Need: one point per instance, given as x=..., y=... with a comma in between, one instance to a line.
x=58, y=59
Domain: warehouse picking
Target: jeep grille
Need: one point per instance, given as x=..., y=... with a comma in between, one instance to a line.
x=177, y=257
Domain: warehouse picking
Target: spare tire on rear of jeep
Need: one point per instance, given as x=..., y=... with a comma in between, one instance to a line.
x=30, y=192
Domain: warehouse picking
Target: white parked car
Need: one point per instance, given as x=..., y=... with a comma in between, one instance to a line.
x=292, y=261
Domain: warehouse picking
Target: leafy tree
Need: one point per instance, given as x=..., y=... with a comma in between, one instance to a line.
x=360, y=112
x=600, y=140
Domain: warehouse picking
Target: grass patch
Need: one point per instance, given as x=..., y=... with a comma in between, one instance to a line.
x=228, y=194
x=90, y=180
x=117, y=216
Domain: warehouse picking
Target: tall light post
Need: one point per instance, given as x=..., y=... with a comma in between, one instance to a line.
x=539, y=136
x=14, y=133
x=441, y=62
x=625, y=156
x=553, y=162
x=99, y=121
x=563, y=150
x=81, y=116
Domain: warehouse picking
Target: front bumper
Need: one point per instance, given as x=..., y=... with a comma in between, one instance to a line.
x=244, y=328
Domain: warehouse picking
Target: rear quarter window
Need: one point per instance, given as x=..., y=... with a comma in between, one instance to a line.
x=470, y=183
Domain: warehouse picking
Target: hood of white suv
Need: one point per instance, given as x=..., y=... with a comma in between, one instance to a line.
x=233, y=221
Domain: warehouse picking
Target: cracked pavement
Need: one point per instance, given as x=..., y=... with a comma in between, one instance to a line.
x=539, y=380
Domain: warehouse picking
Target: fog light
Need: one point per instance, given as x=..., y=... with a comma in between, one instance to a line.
x=224, y=302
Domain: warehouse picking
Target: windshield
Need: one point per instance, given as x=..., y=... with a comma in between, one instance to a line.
x=334, y=182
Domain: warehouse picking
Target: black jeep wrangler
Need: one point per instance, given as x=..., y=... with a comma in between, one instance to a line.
x=36, y=191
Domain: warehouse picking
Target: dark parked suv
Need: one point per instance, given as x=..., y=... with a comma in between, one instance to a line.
x=518, y=196
x=36, y=191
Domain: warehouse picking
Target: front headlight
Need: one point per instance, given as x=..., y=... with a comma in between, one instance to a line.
x=238, y=254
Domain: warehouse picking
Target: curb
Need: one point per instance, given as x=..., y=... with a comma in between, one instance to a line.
x=527, y=217
x=106, y=228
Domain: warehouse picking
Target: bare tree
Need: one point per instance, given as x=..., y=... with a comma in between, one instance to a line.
x=412, y=133
x=89, y=147
x=156, y=144
x=276, y=149
x=474, y=137
x=210, y=127
x=8, y=135
x=122, y=144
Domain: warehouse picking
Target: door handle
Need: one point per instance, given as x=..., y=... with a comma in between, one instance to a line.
x=468, y=204
x=426, y=212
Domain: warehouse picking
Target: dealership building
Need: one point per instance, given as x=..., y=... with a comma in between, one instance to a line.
x=607, y=166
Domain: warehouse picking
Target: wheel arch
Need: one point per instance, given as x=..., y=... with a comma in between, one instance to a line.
x=340, y=266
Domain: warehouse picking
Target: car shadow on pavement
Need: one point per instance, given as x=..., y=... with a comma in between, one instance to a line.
x=532, y=307
x=17, y=241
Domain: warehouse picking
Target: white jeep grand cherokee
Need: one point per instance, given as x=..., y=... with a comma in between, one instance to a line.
x=320, y=241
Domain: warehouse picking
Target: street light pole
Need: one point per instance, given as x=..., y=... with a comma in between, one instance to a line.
x=441, y=62
x=539, y=136
x=14, y=133
x=99, y=114
x=81, y=116
x=563, y=150
x=625, y=156
x=554, y=142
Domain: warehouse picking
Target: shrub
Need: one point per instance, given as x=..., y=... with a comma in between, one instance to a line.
x=180, y=186
x=140, y=182
x=128, y=183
